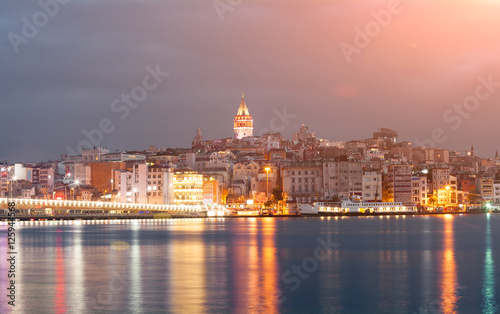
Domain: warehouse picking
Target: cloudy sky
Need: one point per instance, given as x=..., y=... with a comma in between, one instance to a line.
x=345, y=68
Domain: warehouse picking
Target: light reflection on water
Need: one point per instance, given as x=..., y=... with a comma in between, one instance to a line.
x=412, y=265
x=449, y=283
x=489, y=303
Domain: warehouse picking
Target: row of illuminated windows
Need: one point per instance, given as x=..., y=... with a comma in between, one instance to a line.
x=181, y=179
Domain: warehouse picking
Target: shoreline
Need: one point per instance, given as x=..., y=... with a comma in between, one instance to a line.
x=152, y=217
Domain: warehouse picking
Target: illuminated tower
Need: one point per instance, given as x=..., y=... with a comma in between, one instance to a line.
x=243, y=123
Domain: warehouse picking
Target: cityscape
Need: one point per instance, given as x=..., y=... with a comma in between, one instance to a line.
x=263, y=169
x=244, y=156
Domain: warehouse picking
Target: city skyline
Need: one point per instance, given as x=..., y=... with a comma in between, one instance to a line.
x=65, y=79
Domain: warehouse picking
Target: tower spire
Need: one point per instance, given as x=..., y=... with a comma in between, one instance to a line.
x=243, y=110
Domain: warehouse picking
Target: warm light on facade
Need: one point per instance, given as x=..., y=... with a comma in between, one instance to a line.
x=188, y=187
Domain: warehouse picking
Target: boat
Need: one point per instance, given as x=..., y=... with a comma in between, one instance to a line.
x=355, y=207
x=307, y=209
x=317, y=207
x=376, y=207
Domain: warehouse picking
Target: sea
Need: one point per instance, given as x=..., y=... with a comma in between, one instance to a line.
x=376, y=264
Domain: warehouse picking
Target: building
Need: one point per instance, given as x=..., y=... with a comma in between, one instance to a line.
x=484, y=186
x=303, y=181
x=160, y=185
x=4, y=181
x=419, y=190
x=82, y=172
x=211, y=190
x=344, y=178
x=397, y=185
x=188, y=188
x=43, y=179
x=440, y=178
x=101, y=174
x=304, y=134
x=372, y=186
x=245, y=171
x=198, y=140
x=496, y=189
x=263, y=183
x=243, y=123
x=130, y=185
x=389, y=136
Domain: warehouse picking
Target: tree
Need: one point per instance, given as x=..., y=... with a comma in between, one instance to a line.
x=277, y=194
x=433, y=200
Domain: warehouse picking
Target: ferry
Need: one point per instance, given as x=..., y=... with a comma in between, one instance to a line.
x=376, y=207
x=349, y=206
x=317, y=207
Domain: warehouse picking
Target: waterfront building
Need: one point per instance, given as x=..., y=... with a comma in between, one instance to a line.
x=496, y=188
x=440, y=178
x=372, y=186
x=484, y=186
x=188, y=188
x=303, y=181
x=130, y=184
x=211, y=191
x=420, y=190
x=160, y=185
x=397, y=184
x=344, y=178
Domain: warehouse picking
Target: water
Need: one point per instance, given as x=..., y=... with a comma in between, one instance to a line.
x=370, y=265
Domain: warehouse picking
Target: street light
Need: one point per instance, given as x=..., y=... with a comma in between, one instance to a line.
x=77, y=182
x=267, y=169
x=14, y=178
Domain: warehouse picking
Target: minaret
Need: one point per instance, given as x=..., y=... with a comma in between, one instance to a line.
x=496, y=155
x=198, y=139
x=472, y=150
x=243, y=123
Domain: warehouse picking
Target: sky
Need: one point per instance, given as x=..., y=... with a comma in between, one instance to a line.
x=428, y=69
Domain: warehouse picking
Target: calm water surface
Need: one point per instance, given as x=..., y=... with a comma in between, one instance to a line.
x=294, y=265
